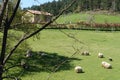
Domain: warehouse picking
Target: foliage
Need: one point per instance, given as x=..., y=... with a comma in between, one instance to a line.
x=82, y=5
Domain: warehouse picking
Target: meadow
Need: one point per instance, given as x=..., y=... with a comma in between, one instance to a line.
x=87, y=16
x=54, y=42
x=103, y=21
x=59, y=48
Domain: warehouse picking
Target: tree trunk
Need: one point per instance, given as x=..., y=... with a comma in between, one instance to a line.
x=1, y=72
x=91, y=4
x=99, y=4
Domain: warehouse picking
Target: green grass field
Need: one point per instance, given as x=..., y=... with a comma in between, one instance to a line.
x=59, y=47
x=98, y=18
x=54, y=41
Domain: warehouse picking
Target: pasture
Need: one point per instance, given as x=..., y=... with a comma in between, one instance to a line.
x=88, y=16
x=90, y=21
x=58, y=62
x=54, y=42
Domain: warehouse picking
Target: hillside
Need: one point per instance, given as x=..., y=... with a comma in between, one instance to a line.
x=95, y=17
x=81, y=5
x=90, y=21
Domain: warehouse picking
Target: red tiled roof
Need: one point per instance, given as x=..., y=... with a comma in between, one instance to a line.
x=39, y=12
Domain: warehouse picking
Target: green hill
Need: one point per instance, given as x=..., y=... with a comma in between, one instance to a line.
x=89, y=17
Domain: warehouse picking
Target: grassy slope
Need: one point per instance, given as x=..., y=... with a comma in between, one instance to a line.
x=99, y=18
x=56, y=42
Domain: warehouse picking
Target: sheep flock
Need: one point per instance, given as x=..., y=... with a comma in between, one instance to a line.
x=104, y=64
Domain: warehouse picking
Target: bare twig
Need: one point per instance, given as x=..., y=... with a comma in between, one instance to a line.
x=11, y=67
x=59, y=65
x=71, y=36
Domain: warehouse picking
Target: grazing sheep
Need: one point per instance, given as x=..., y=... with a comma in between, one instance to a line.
x=110, y=59
x=106, y=65
x=41, y=53
x=78, y=69
x=100, y=55
x=86, y=53
x=24, y=65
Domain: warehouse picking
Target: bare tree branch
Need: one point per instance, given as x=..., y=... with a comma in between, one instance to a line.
x=37, y=31
x=73, y=37
x=7, y=25
x=14, y=12
x=68, y=35
x=17, y=65
x=59, y=65
x=4, y=41
x=2, y=11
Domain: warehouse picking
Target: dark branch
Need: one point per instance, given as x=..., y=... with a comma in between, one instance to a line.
x=11, y=52
x=4, y=41
x=11, y=67
x=71, y=36
x=2, y=11
x=6, y=27
x=59, y=65
x=14, y=12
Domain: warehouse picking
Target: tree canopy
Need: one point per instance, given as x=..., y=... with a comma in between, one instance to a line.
x=54, y=7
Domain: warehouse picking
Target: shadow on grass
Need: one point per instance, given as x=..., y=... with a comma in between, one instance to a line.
x=44, y=62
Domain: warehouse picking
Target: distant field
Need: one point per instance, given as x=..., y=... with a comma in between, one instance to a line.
x=53, y=41
x=98, y=18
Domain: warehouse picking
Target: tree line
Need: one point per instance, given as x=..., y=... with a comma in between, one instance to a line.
x=54, y=7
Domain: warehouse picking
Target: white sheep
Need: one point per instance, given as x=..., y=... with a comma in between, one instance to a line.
x=78, y=69
x=41, y=53
x=106, y=65
x=28, y=53
x=100, y=55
